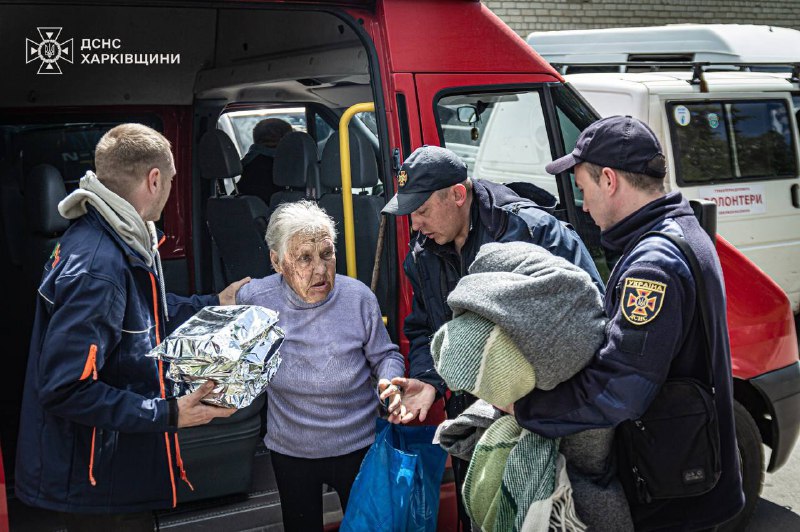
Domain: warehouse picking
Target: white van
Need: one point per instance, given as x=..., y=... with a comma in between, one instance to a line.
x=583, y=51
x=736, y=144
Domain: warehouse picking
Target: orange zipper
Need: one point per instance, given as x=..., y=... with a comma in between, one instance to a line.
x=163, y=389
x=90, y=370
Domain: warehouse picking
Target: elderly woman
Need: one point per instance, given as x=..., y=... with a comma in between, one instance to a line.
x=322, y=407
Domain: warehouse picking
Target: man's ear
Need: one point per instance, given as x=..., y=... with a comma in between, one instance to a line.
x=460, y=194
x=153, y=180
x=273, y=258
x=609, y=180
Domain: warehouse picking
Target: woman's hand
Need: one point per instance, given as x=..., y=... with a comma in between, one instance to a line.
x=391, y=396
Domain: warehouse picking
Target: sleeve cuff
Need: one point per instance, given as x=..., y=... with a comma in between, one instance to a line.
x=172, y=413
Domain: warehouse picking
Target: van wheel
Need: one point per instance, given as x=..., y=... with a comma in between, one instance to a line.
x=751, y=456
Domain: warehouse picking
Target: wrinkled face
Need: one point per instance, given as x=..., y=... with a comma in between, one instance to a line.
x=595, y=202
x=309, y=266
x=437, y=218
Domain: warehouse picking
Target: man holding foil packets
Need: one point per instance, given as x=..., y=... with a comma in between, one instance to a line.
x=321, y=402
x=98, y=439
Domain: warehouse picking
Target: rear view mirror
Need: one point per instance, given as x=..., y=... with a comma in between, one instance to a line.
x=467, y=114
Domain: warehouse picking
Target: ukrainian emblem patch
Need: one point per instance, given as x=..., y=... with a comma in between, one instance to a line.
x=641, y=300
x=402, y=177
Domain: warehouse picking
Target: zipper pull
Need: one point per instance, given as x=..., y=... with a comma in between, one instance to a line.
x=639, y=424
x=641, y=486
x=90, y=367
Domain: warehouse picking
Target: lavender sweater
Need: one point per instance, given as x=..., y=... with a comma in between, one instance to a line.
x=321, y=402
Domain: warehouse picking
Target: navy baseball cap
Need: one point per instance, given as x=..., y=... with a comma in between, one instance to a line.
x=619, y=142
x=426, y=170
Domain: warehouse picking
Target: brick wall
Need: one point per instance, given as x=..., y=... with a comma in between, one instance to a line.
x=525, y=16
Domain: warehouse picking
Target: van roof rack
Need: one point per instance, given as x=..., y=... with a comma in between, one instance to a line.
x=698, y=67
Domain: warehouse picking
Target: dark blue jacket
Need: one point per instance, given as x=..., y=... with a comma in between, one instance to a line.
x=95, y=434
x=640, y=353
x=498, y=214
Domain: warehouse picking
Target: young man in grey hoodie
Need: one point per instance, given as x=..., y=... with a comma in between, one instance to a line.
x=98, y=432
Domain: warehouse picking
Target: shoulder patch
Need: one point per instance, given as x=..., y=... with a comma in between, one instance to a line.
x=641, y=300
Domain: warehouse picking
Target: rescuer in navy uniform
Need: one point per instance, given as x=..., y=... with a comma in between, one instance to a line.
x=655, y=331
x=453, y=216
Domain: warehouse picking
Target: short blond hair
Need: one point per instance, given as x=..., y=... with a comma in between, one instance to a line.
x=127, y=153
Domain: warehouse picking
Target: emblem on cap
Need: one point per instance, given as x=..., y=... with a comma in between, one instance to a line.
x=641, y=300
x=402, y=177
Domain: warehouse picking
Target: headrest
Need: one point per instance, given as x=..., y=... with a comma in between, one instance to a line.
x=218, y=156
x=44, y=189
x=363, y=166
x=296, y=161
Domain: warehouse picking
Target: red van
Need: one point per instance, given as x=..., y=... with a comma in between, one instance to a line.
x=379, y=76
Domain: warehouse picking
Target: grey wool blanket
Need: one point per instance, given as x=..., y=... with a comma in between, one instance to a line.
x=459, y=436
x=546, y=305
x=523, y=318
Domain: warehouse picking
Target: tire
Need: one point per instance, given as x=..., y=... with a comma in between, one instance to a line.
x=751, y=455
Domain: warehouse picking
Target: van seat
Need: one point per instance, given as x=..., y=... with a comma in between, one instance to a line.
x=366, y=207
x=296, y=167
x=44, y=189
x=237, y=223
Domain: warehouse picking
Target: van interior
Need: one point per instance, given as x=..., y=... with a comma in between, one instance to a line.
x=238, y=64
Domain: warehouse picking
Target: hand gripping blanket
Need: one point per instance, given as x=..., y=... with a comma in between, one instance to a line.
x=523, y=318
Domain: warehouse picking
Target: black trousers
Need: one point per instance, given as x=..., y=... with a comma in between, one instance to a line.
x=457, y=403
x=300, y=483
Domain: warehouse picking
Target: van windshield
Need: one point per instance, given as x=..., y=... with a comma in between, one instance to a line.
x=722, y=141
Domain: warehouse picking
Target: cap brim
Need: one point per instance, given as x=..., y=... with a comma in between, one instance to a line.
x=562, y=164
x=402, y=204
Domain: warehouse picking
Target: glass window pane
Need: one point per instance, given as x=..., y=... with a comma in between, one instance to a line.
x=502, y=136
x=700, y=142
x=733, y=140
x=243, y=122
x=763, y=139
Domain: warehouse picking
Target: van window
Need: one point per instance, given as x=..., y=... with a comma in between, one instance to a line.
x=502, y=136
x=722, y=141
x=573, y=117
x=239, y=124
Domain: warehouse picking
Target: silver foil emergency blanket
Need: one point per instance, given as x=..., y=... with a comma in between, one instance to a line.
x=234, y=345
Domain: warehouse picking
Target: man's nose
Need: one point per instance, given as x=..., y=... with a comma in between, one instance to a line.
x=415, y=222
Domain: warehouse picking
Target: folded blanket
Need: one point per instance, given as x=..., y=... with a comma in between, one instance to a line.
x=511, y=481
x=546, y=305
x=459, y=436
x=523, y=318
x=473, y=354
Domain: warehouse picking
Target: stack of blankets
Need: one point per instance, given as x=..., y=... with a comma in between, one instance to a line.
x=524, y=319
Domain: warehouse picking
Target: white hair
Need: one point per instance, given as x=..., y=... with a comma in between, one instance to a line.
x=298, y=218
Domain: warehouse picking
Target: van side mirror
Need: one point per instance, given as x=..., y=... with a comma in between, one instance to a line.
x=706, y=213
x=467, y=114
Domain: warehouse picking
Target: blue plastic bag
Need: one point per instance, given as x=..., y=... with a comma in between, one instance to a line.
x=397, y=487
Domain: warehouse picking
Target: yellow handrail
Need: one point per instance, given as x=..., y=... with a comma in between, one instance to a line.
x=347, y=183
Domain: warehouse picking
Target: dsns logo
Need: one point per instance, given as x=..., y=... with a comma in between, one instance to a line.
x=49, y=51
